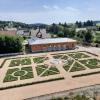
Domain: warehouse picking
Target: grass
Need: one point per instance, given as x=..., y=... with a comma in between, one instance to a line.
x=98, y=24
x=53, y=68
x=26, y=61
x=64, y=57
x=91, y=63
x=41, y=70
x=49, y=72
x=77, y=67
x=15, y=73
x=29, y=69
x=10, y=71
x=68, y=65
x=43, y=66
x=39, y=59
x=78, y=55
x=19, y=73
x=29, y=75
x=97, y=35
x=10, y=78
x=17, y=62
x=57, y=56
x=14, y=63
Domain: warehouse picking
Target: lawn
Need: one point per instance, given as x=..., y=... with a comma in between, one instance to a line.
x=97, y=36
x=91, y=63
x=98, y=24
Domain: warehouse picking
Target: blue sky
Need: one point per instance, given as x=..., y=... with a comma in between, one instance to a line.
x=49, y=11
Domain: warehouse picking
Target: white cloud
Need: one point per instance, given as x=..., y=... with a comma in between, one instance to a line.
x=46, y=7
x=68, y=14
x=72, y=9
x=56, y=7
x=49, y=16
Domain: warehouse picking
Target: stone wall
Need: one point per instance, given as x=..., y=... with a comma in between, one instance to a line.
x=90, y=91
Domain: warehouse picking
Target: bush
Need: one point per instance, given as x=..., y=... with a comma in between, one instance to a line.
x=31, y=83
x=10, y=44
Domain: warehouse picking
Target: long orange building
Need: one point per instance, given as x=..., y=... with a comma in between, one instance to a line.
x=51, y=44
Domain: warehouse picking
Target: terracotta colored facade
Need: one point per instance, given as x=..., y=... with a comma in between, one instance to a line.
x=53, y=46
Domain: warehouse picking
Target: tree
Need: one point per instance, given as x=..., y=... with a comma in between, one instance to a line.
x=88, y=36
x=10, y=44
x=60, y=34
x=78, y=24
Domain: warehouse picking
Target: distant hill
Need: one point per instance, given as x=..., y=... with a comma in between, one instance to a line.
x=38, y=25
x=95, y=22
x=20, y=24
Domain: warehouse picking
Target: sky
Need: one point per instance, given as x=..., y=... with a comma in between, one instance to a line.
x=49, y=11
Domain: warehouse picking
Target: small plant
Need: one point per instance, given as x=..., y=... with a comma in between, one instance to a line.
x=39, y=59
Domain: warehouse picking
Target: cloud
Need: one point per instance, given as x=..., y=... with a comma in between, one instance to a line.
x=49, y=16
x=46, y=7
x=56, y=7
x=52, y=14
x=71, y=9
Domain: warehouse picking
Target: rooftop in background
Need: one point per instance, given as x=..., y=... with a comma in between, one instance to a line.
x=10, y=32
x=35, y=41
x=40, y=33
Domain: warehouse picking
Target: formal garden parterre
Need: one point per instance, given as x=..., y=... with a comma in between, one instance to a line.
x=25, y=70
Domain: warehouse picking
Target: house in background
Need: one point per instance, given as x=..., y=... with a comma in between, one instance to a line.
x=40, y=33
x=23, y=32
x=81, y=29
x=8, y=32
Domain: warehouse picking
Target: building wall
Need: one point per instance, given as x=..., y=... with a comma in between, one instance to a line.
x=9, y=32
x=53, y=47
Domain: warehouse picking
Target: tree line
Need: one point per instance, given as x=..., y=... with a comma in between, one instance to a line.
x=80, y=24
x=69, y=31
x=10, y=44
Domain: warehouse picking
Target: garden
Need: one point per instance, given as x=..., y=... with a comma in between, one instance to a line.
x=91, y=63
x=18, y=62
x=16, y=73
x=44, y=70
x=39, y=59
x=78, y=55
x=20, y=69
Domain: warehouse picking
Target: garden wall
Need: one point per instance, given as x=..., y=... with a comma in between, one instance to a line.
x=90, y=91
x=11, y=54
